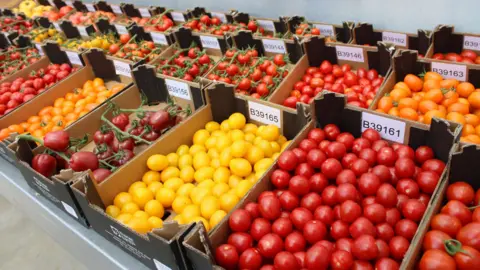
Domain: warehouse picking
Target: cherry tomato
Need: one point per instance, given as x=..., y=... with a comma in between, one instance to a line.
x=226, y=256
x=365, y=248
x=241, y=241
x=461, y=191
x=240, y=220
x=436, y=259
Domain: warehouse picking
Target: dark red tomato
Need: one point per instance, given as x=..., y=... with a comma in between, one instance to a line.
x=360, y=144
x=295, y=242
x=423, y=153
x=282, y=227
x=300, y=255
x=270, y=245
x=386, y=156
x=241, y=241
x=317, y=257
x=348, y=160
x=361, y=265
x=226, y=256
x=270, y=207
x=371, y=135
x=393, y=216
x=265, y=194
x=428, y=180
x=314, y=231
x=434, y=165
x=414, y=209
x=404, y=167
x=307, y=145
x=288, y=200
x=339, y=229
x=280, y=179
x=326, y=67
x=385, y=231
x=368, y=155
x=368, y=201
x=267, y=267
x=402, y=199
x=331, y=168
x=285, y=261
x=311, y=201
x=350, y=211
x=347, y=139
x=406, y=228
x=435, y=239
x=300, y=216
x=453, y=57
x=317, y=135
x=362, y=226
x=323, y=145
x=467, y=258
x=447, y=224
x=476, y=215
x=346, y=177
x=375, y=212
x=368, y=184
x=383, y=173
x=318, y=182
x=470, y=235
x=304, y=170
x=252, y=209
x=259, y=228
x=336, y=150
x=404, y=151
x=409, y=188
x=346, y=192
x=459, y=210
x=287, y=160
x=250, y=259
x=331, y=132
x=386, y=264
x=240, y=220
x=324, y=214
x=461, y=191
x=341, y=260
x=436, y=259
x=344, y=244
x=398, y=247
x=329, y=196
x=299, y=185
x=365, y=248
x=377, y=145
x=359, y=167
x=383, y=249
x=301, y=155
x=424, y=198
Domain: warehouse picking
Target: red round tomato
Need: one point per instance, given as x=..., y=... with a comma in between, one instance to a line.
x=252, y=209
x=300, y=216
x=346, y=192
x=285, y=261
x=240, y=220
x=316, y=134
x=331, y=132
x=241, y=241
x=393, y=216
x=386, y=195
x=318, y=182
x=311, y=201
x=423, y=153
x=269, y=207
x=406, y=228
x=434, y=259
x=398, y=247
x=270, y=245
x=250, y=259
x=359, y=167
x=324, y=214
x=295, y=242
x=461, y=191
x=282, y=227
x=362, y=226
x=434, y=165
x=413, y=209
x=348, y=160
x=467, y=258
x=447, y=224
x=331, y=168
x=329, y=196
x=341, y=260
x=375, y=212
x=350, y=211
x=404, y=168
x=226, y=256
x=259, y=228
x=280, y=179
x=288, y=200
x=315, y=158
x=427, y=181
x=368, y=184
x=339, y=229
x=317, y=257
x=336, y=150
x=365, y=248
x=385, y=231
x=435, y=239
x=287, y=160
x=470, y=235
x=459, y=210
x=408, y=187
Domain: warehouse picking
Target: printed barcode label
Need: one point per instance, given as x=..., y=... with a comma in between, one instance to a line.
x=121, y=29
x=116, y=9
x=145, y=12
x=350, y=53
x=395, y=38
x=220, y=15
x=178, y=89
x=274, y=46
x=210, y=42
x=122, y=68
x=74, y=58
x=325, y=29
x=471, y=43
x=450, y=71
x=159, y=38
x=267, y=25
x=389, y=129
x=69, y=210
x=264, y=114
x=177, y=16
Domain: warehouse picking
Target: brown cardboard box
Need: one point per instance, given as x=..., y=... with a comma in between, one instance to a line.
x=327, y=109
x=446, y=40
x=342, y=33
x=93, y=198
x=317, y=50
x=364, y=33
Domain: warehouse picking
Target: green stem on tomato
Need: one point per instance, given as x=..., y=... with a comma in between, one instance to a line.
x=127, y=135
x=107, y=165
x=453, y=246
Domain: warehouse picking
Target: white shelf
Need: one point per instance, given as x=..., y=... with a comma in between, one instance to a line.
x=86, y=245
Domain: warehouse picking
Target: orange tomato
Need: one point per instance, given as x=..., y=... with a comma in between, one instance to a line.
x=57, y=128
x=98, y=82
x=58, y=102
x=430, y=75
x=34, y=127
x=474, y=100
x=467, y=130
x=431, y=84
x=81, y=103
x=71, y=117
x=456, y=117
x=100, y=99
x=433, y=113
x=398, y=93
x=67, y=110
x=46, y=111
x=394, y=111
x=413, y=82
x=427, y=105
x=474, y=138
x=408, y=113
x=48, y=127
x=46, y=118
x=477, y=130
x=25, y=125
x=463, y=101
x=90, y=99
x=401, y=85
x=69, y=123
x=39, y=133
x=450, y=97
x=117, y=88
x=434, y=95
x=100, y=88
x=459, y=107
x=464, y=89
x=442, y=109
x=82, y=113
x=407, y=103
x=449, y=83
x=16, y=128
x=4, y=133
x=56, y=111
x=34, y=119
x=385, y=103
x=77, y=110
x=91, y=106
x=88, y=84
x=472, y=119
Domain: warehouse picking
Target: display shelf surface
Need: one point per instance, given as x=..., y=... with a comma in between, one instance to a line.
x=86, y=245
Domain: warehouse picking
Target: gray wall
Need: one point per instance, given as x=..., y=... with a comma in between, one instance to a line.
x=396, y=15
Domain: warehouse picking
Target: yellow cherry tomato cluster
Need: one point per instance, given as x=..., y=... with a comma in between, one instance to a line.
x=204, y=181
x=43, y=34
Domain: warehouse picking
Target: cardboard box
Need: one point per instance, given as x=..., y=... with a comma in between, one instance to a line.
x=446, y=40
x=317, y=50
x=93, y=197
x=461, y=169
x=97, y=66
x=364, y=34
x=342, y=33
x=326, y=109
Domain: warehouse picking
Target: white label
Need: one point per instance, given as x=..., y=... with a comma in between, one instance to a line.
x=83, y=31
x=39, y=48
x=471, y=43
x=395, y=38
x=267, y=25
x=122, y=68
x=210, y=42
x=69, y=209
x=69, y=3
x=116, y=9
x=325, y=29
x=160, y=266
x=178, y=89
x=389, y=129
x=159, y=38
x=350, y=53
x=74, y=58
x=177, y=16
x=264, y=114
x=450, y=71
x=57, y=26
x=144, y=12
x=121, y=29
x=220, y=15
x=90, y=7
x=274, y=46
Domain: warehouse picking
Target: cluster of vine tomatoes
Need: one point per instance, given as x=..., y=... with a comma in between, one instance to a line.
x=251, y=75
x=359, y=86
x=466, y=56
x=15, y=24
x=187, y=64
x=160, y=22
x=89, y=18
x=339, y=203
x=132, y=50
x=13, y=94
x=453, y=241
x=14, y=59
x=215, y=26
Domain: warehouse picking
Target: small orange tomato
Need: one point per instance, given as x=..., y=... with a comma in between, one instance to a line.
x=407, y=103
x=456, y=117
x=385, y=103
x=413, y=82
x=16, y=128
x=459, y=107
x=58, y=102
x=472, y=119
x=449, y=83
x=398, y=93
x=430, y=75
x=394, y=111
x=427, y=105
x=474, y=100
x=4, y=133
x=408, y=113
x=430, y=114
x=46, y=111
x=464, y=89
x=434, y=95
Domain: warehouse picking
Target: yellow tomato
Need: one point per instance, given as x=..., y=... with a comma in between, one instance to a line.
x=199, y=193
x=242, y=188
x=240, y=167
x=281, y=140
x=180, y=203
x=212, y=126
x=221, y=175
x=185, y=189
x=136, y=185
x=155, y=222
x=236, y=135
x=200, y=160
x=169, y=172
x=121, y=199
x=224, y=126
x=190, y=212
x=187, y=174
x=140, y=214
x=201, y=136
x=228, y=201
x=219, y=189
x=254, y=154
x=124, y=218
x=266, y=147
x=182, y=150
x=179, y=219
x=154, y=208
x=155, y=186
x=233, y=180
x=157, y=162
x=216, y=218
x=225, y=157
x=203, y=220
x=263, y=164
x=211, y=143
x=165, y=196
x=209, y=206
x=150, y=177
x=238, y=149
x=208, y=183
x=172, y=159
x=213, y=153
x=204, y=173
x=139, y=225
x=223, y=141
x=130, y=208
x=173, y=183
x=249, y=137
x=196, y=149
x=185, y=161
x=112, y=211
x=141, y=196
x=215, y=163
x=237, y=121
x=270, y=133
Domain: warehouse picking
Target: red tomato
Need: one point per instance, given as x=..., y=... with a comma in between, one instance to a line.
x=435, y=239
x=295, y=242
x=288, y=200
x=365, y=248
x=285, y=261
x=341, y=260
x=259, y=228
x=226, y=256
x=406, y=228
x=240, y=220
x=447, y=224
x=282, y=227
x=362, y=226
x=398, y=247
x=427, y=181
x=250, y=259
x=317, y=257
x=375, y=212
x=385, y=231
x=436, y=259
x=269, y=245
x=461, y=191
x=269, y=207
x=241, y=241
x=413, y=209
x=470, y=235
x=459, y=210
x=300, y=216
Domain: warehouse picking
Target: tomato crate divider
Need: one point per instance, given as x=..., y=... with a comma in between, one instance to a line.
x=342, y=32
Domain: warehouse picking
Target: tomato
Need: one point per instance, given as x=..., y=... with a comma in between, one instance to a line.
x=348, y=160
x=57, y=141
x=250, y=259
x=226, y=256
x=240, y=220
x=326, y=67
x=465, y=257
x=436, y=259
x=269, y=245
x=295, y=242
x=315, y=158
x=447, y=224
x=304, y=170
x=408, y=187
x=285, y=261
x=324, y=214
x=241, y=241
x=331, y=168
x=336, y=150
x=470, y=235
x=434, y=165
x=406, y=228
x=44, y=164
x=398, y=247
x=282, y=227
x=404, y=167
x=280, y=179
x=300, y=216
x=362, y=226
x=427, y=181
x=459, y=210
x=386, y=156
x=331, y=131
x=288, y=200
x=311, y=201
x=413, y=209
x=476, y=215
x=369, y=183
x=341, y=260
x=461, y=192
x=423, y=153
x=317, y=257
x=350, y=211
x=375, y=212
x=259, y=228
x=252, y=209
x=385, y=231
x=346, y=177
x=393, y=216
x=359, y=144
x=269, y=207
x=365, y=248
x=287, y=160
